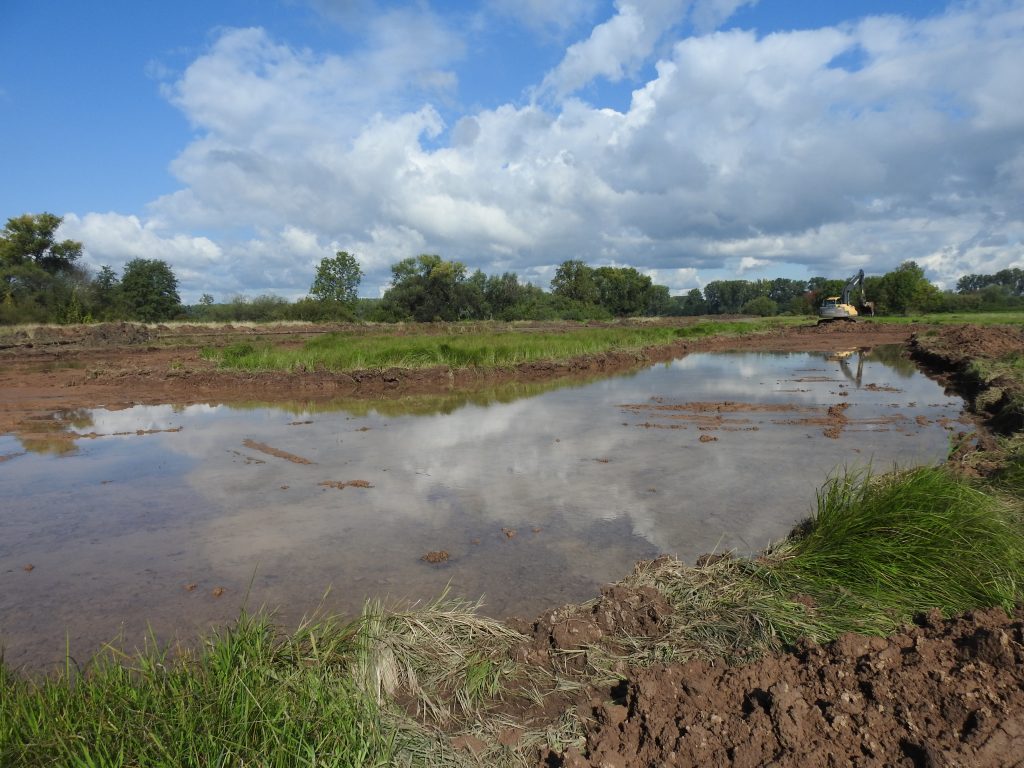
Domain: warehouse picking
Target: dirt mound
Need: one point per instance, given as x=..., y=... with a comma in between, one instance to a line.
x=954, y=345
x=944, y=692
x=99, y=335
x=115, y=333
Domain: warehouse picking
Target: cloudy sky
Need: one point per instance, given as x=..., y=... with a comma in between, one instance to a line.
x=244, y=140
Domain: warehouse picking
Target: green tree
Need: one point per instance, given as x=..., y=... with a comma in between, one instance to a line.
x=728, y=296
x=760, y=305
x=38, y=274
x=104, y=294
x=426, y=288
x=472, y=298
x=574, y=280
x=693, y=303
x=1012, y=279
x=504, y=295
x=622, y=290
x=906, y=288
x=782, y=290
x=149, y=290
x=659, y=301
x=804, y=304
x=337, y=279
x=30, y=239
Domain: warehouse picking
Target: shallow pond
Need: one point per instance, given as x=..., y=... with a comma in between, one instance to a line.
x=175, y=516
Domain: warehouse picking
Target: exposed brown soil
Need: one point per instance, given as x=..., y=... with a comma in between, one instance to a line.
x=940, y=693
x=118, y=365
x=948, y=353
x=943, y=693
x=436, y=557
x=707, y=416
x=341, y=484
x=272, y=451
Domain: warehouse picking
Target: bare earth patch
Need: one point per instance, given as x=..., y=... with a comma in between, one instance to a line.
x=271, y=451
x=340, y=484
x=943, y=692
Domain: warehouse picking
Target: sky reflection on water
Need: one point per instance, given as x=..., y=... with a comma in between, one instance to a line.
x=590, y=478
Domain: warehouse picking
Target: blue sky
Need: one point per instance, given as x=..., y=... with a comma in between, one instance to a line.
x=693, y=139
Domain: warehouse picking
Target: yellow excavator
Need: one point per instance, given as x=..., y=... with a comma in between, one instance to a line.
x=840, y=308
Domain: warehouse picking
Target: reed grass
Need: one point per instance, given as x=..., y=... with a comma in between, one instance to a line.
x=347, y=352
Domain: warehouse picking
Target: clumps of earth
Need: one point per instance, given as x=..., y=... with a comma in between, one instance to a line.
x=943, y=692
x=436, y=557
x=342, y=484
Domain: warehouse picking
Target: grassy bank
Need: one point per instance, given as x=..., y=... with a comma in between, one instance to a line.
x=348, y=352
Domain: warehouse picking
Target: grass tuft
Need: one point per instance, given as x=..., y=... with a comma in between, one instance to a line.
x=882, y=548
x=444, y=658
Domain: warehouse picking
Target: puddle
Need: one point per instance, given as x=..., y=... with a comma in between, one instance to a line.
x=530, y=495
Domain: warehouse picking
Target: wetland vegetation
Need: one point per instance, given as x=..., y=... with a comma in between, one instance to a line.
x=462, y=348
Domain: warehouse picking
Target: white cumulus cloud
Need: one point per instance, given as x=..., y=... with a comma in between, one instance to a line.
x=112, y=239
x=804, y=152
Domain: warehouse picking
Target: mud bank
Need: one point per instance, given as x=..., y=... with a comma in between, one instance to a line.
x=951, y=354
x=943, y=692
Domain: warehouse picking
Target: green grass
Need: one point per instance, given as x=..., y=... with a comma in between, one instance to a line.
x=250, y=697
x=990, y=369
x=347, y=352
x=879, y=550
x=324, y=695
x=882, y=548
x=389, y=687
x=1000, y=382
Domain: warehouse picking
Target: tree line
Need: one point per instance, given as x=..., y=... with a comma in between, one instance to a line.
x=41, y=280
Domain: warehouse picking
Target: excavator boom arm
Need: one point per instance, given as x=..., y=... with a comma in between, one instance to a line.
x=852, y=283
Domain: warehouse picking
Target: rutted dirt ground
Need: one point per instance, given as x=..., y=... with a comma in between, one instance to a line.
x=942, y=692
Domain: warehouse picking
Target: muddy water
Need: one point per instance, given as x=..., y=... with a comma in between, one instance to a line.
x=176, y=516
